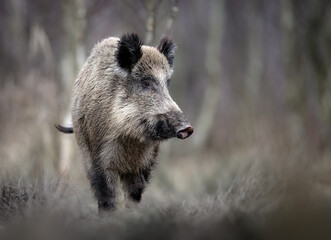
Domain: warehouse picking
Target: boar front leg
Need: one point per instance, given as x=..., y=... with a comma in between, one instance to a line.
x=135, y=184
x=104, y=183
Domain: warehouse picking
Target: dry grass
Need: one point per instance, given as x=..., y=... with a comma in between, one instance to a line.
x=261, y=199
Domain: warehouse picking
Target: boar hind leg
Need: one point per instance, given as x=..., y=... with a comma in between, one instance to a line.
x=104, y=186
x=135, y=184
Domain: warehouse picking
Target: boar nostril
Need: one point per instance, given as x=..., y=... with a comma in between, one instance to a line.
x=185, y=133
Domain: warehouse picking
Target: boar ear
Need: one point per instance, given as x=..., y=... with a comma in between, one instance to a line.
x=167, y=47
x=129, y=51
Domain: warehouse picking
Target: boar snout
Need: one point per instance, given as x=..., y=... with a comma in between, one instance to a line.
x=185, y=132
x=168, y=125
x=182, y=127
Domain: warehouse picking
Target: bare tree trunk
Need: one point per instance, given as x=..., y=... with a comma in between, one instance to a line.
x=213, y=68
x=172, y=17
x=273, y=52
x=150, y=21
x=74, y=21
x=255, y=54
x=16, y=25
x=39, y=44
x=326, y=98
x=39, y=41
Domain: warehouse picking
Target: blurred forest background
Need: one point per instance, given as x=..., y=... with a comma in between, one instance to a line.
x=253, y=77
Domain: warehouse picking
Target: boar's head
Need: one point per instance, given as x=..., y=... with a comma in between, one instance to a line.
x=143, y=106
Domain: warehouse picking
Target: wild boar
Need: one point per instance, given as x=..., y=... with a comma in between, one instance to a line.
x=121, y=112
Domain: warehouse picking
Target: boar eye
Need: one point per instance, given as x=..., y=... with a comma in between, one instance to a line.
x=147, y=83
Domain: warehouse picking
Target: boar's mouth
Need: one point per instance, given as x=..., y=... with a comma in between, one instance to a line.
x=159, y=130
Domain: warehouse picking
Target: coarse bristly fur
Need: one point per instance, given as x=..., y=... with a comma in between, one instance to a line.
x=121, y=112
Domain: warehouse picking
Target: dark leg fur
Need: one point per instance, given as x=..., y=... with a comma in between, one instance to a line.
x=104, y=189
x=136, y=183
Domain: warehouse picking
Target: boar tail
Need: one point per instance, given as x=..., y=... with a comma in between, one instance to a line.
x=64, y=129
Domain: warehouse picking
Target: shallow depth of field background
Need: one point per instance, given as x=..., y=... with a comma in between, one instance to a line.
x=253, y=77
